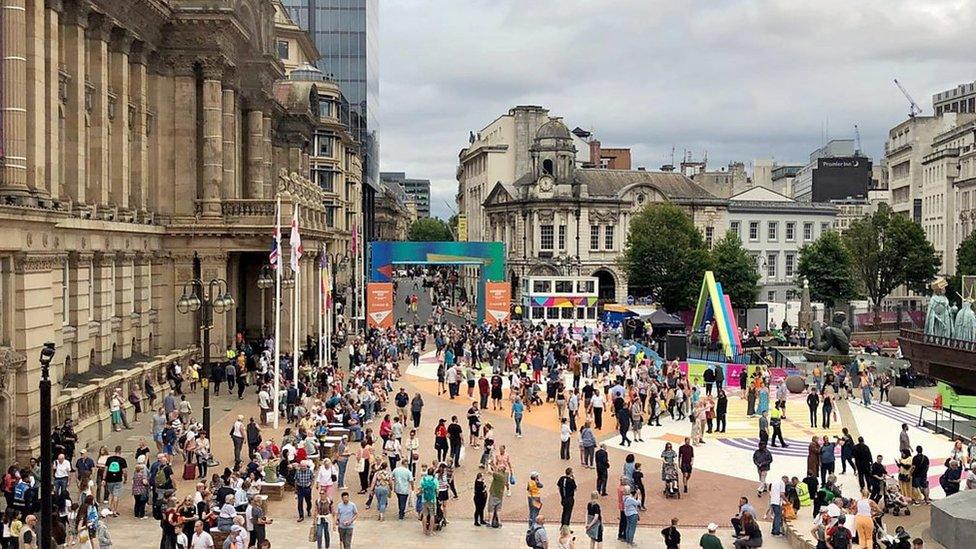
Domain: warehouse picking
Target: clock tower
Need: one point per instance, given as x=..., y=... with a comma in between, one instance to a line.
x=553, y=157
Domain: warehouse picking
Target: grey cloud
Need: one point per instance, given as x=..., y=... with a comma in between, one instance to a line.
x=741, y=79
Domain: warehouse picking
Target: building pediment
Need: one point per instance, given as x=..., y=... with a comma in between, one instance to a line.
x=499, y=194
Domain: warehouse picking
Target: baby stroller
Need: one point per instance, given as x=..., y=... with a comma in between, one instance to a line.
x=669, y=474
x=894, y=502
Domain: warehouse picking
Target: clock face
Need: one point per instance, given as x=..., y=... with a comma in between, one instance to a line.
x=545, y=183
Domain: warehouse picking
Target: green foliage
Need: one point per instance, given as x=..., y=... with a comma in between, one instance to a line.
x=665, y=256
x=828, y=266
x=890, y=250
x=429, y=229
x=735, y=269
x=965, y=266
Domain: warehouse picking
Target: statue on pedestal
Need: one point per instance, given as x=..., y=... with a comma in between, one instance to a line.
x=831, y=342
x=964, y=325
x=938, y=319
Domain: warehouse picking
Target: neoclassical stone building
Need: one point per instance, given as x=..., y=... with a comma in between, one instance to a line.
x=562, y=219
x=143, y=145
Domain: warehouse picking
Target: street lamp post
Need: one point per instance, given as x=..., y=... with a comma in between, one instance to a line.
x=215, y=298
x=265, y=281
x=47, y=503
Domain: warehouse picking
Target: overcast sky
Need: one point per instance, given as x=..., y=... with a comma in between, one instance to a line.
x=738, y=79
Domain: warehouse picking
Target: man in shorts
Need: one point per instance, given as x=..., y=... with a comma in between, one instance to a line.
x=116, y=474
x=686, y=458
x=428, y=490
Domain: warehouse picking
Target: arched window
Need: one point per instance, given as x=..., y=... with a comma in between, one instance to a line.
x=547, y=166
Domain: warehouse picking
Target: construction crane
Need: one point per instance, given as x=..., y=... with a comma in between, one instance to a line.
x=913, y=109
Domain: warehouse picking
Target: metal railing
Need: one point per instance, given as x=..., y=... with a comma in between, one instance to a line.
x=948, y=422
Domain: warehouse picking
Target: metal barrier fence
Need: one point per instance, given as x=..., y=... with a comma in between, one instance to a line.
x=947, y=422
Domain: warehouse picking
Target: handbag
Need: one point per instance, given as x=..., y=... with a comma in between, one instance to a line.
x=83, y=535
x=461, y=454
x=360, y=465
x=789, y=513
x=511, y=479
x=313, y=533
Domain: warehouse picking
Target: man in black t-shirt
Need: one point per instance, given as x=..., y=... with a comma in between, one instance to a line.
x=455, y=434
x=116, y=474
x=920, y=475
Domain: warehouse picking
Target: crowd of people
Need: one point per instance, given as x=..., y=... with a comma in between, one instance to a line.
x=591, y=381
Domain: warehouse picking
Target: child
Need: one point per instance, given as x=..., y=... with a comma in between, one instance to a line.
x=102, y=534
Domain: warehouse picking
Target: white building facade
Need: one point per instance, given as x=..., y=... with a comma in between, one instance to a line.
x=773, y=228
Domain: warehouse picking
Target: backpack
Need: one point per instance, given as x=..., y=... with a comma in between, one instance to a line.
x=530, y=540
x=841, y=538
x=160, y=476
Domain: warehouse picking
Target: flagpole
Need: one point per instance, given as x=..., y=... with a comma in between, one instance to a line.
x=321, y=309
x=362, y=284
x=298, y=303
x=277, y=306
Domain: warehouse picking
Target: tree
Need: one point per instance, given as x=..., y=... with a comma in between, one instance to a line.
x=965, y=266
x=665, y=256
x=829, y=268
x=890, y=250
x=735, y=269
x=429, y=229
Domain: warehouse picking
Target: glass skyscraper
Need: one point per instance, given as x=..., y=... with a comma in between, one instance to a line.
x=346, y=33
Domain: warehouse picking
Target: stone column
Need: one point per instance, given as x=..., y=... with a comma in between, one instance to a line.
x=213, y=157
x=123, y=303
x=36, y=115
x=75, y=159
x=101, y=334
x=141, y=302
x=99, y=28
x=180, y=110
x=229, y=131
x=255, y=154
x=79, y=308
x=172, y=329
x=32, y=310
x=13, y=80
x=270, y=178
x=139, y=152
x=52, y=89
x=120, y=45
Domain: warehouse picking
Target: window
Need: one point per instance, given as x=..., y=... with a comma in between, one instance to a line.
x=282, y=49
x=323, y=145
x=562, y=237
x=608, y=238
x=330, y=216
x=545, y=237
x=824, y=227
x=538, y=313
x=567, y=312
x=586, y=286
x=734, y=227
x=808, y=231
x=591, y=313
x=581, y=313
x=790, y=231
x=594, y=237
x=552, y=313
x=771, y=296
x=790, y=263
x=771, y=229
x=753, y=230
x=547, y=166
x=540, y=286
x=325, y=179
x=564, y=286
x=709, y=236
x=771, y=265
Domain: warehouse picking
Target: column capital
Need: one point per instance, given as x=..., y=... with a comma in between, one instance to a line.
x=99, y=27
x=55, y=5
x=214, y=67
x=143, y=258
x=125, y=256
x=121, y=40
x=104, y=259
x=76, y=13
x=175, y=64
x=25, y=263
x=139, y=53
x=76, y=259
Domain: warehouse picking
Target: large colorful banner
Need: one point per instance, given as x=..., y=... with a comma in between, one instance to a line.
x=498, y=299
x=379, y=304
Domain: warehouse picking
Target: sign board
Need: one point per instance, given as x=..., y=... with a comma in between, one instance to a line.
x=462, y=228
x=498, y=298
x=379, y=303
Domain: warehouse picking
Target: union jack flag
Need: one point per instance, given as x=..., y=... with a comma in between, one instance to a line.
x=297, y=251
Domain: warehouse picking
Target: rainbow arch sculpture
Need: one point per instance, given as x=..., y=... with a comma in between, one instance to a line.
x=713, y=304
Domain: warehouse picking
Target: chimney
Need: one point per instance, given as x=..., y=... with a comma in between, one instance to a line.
x=595, y=152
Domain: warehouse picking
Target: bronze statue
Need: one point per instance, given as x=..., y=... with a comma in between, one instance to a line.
x=833, y=340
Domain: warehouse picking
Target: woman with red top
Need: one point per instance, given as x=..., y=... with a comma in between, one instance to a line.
x=440, y=439
x=386, y=427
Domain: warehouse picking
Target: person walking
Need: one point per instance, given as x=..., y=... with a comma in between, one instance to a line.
x=517, y=410
x=813, y=403
x=602, y=469
x=587, y=446
x=686, y=460
x=762, y=458
x=567, y=495
x=416, y=407
x=672, y=537
x=480, y=499
x=237, y=437
x=813, y=456
x=632, y=514
x=827, y=459
x=564, y=436
x=776, y=421
x=904, y=442
x=533, y=492
x=346, y=515
x=323, y=519
x=862, y=460
x=920, y=473
x=721, y=409
x=402, y=486
x=777, y=495
x=303, y=488
x=623, y=425
x=828, y=411
x=594, y=521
